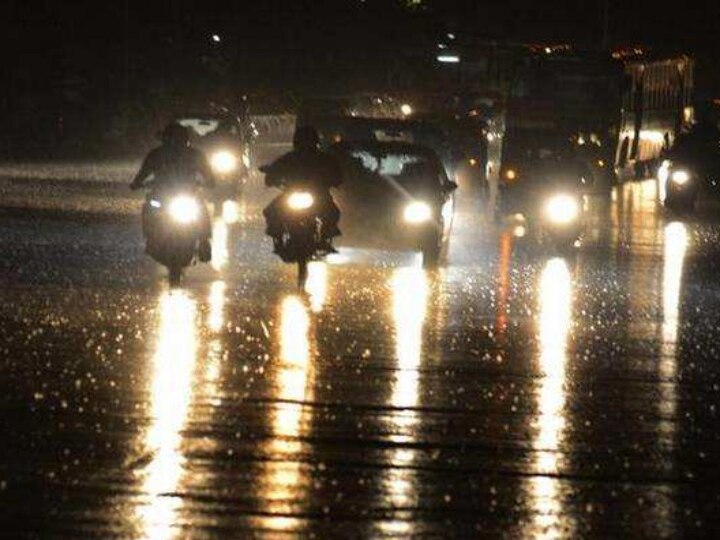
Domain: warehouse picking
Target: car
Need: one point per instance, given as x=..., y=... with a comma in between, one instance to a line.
x=226, y=144
x=395, y=195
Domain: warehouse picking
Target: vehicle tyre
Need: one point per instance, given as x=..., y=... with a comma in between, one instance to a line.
x=302, y=272
x=175, y=275
x=431, y=250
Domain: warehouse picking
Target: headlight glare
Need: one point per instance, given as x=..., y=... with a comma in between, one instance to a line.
x=417, y=212
x=562, y=209
x=184, y=209
x=224, y=162
x=300, y=200
x=680, y=177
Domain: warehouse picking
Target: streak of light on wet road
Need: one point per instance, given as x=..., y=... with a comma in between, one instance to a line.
x=509, y=394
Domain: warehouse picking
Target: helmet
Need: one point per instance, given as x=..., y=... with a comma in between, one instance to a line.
x=175, y=135
x=306, y=138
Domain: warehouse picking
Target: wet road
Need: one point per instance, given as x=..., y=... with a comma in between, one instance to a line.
x=510, y=394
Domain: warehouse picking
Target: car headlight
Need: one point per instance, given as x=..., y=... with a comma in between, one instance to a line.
x=417, y=212
x=300, y=200
x=562, y=209
x=223, y=162
x=680, y=177
x=184, y=209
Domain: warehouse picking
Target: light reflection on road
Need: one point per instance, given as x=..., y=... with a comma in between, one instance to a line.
x=546, y=501
x=282, y=480
x=316, y=286
x=170, y=393
x=410, y=291
x=676, y=247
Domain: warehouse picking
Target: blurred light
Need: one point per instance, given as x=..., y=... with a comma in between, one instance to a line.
x=511, y=175
x=217, y=305
x=155, y=204
x=170, y=390
x=562, y=209
x=406, y=109
x=184, y=209
x=224, y=162
x=473, y=162
x=676, y=246
x=300, y=200
x=216, y=38
x=601, y=163
x=417, y=212
x=316, y=285
x=680, y=177
x=519, y=231
x=451, y=36
x=448, y=59
x=220, y=254
x=282, y=480
x=410, y=292
x=230, y=212
x=546, y=505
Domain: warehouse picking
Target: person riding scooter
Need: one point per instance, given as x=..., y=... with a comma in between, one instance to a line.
x=176, y=163
x=310, y=168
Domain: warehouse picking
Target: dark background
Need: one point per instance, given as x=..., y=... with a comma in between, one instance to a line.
x=90, y=70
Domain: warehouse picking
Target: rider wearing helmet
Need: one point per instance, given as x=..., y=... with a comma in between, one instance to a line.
x=177, y=163
x=311, y=168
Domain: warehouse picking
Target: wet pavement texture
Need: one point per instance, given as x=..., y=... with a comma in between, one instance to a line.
x=509, y=394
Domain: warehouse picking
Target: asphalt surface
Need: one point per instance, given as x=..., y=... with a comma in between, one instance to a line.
x=509, y=394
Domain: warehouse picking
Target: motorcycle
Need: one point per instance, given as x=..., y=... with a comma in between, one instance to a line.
x=301, y=240
x=682, y=186
x=173, y=224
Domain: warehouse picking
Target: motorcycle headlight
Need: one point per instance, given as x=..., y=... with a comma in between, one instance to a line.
x=562, y=209
x=680, y=177
x=224, y=162
x=417, y=212
x=184, y=209
x=300, y=200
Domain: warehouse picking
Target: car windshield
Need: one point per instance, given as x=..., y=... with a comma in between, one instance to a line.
x=200, y=126
x=395, y=164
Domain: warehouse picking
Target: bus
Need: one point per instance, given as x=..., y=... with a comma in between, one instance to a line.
x=561, y=99
x=657, y=105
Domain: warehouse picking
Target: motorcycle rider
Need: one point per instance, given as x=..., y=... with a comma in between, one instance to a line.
x=176, y=163
x=310, y=168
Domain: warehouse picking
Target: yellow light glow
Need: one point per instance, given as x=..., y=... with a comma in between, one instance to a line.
x=511, y=175
x=562, y=209
x=406, y=109
x=224, y=162
x=680, y=177
x=220, y=251
x=410, y=292
x=230, y=212
x=170, y=390
x=316, y=285
x=400, y=483
x=300, y=200
x=417, y=212
x=555, y=322
x=184, y=209
x=282, y=480
x=676, y=246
